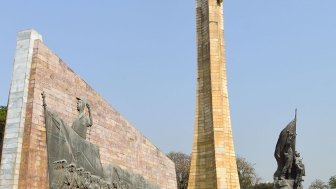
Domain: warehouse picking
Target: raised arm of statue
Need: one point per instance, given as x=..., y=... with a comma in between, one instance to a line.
x=90, y=122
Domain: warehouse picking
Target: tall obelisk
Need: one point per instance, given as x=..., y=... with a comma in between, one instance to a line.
x=213, y=164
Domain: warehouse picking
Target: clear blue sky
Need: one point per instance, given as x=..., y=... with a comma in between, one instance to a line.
x=140, y=55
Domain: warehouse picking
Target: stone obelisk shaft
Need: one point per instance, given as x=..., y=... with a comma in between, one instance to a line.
x=213, y=164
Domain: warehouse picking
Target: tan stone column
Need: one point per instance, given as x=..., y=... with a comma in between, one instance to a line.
x=17, y=102
x=213, y=158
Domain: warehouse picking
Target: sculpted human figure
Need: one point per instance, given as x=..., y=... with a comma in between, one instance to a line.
x=300, y=169
x=288, y=154
x=290, y=167
x=80, y=178
x=105, y=185
x=116, y=184
x=87, y=180
x=70, y=176
x=95, y=182
x=59, y=174
x=82, y=122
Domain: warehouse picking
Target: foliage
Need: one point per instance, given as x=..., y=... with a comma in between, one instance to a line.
x=332, y=182
x=182, y=166
x=246, y=173
x=263, y=186
x=3, y=112
x=318, y=184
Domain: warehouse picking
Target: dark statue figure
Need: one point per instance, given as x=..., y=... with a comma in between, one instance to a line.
x=82, y=122
x=288, y=154
x=219, y=2
x=300, y=169
x=290, y=167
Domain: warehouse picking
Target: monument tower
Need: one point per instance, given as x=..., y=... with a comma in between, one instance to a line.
x=213, y=164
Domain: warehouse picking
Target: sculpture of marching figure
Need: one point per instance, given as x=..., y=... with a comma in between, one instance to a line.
x=290, y=167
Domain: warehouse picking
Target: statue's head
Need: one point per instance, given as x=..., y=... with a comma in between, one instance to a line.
x=81, y=103
x=80, y=170
x=71, y=167
x=56, y=165
x=63, y=162
x=87, y=174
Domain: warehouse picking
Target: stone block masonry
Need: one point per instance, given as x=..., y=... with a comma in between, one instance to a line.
x=213, y=164
x=119, y=142
x=17, y=106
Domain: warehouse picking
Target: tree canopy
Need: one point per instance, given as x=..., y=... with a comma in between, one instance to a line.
x=3, y=112
x=246, y=173
x=263, y=186
x=332, y=182
x=248, y=177
x=182, y=166
x=318, y=184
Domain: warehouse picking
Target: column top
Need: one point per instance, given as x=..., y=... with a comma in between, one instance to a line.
x=28, y=34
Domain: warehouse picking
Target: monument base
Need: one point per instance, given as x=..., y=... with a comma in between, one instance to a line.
x=285, y=184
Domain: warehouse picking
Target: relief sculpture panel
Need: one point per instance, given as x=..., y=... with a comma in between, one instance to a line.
x=74, y=162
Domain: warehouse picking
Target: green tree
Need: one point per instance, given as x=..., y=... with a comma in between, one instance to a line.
x=263, y=186
x=332, y=182
x=3, y=113
x=246, y=173
x=182, y=166
x=318, y=184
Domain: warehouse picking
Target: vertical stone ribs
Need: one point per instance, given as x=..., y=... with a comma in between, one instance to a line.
x=213, y=158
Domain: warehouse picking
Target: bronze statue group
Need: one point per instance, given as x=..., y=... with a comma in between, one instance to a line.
x=290, y=166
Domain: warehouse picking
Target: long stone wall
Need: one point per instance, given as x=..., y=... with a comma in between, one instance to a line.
x=118, y=141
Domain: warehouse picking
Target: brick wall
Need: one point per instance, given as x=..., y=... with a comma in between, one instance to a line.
x=119, y=142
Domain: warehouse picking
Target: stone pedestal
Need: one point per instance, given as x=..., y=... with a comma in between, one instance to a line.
x=285, y=184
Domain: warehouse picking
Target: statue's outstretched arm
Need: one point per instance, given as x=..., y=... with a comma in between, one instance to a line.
x=90, y=116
